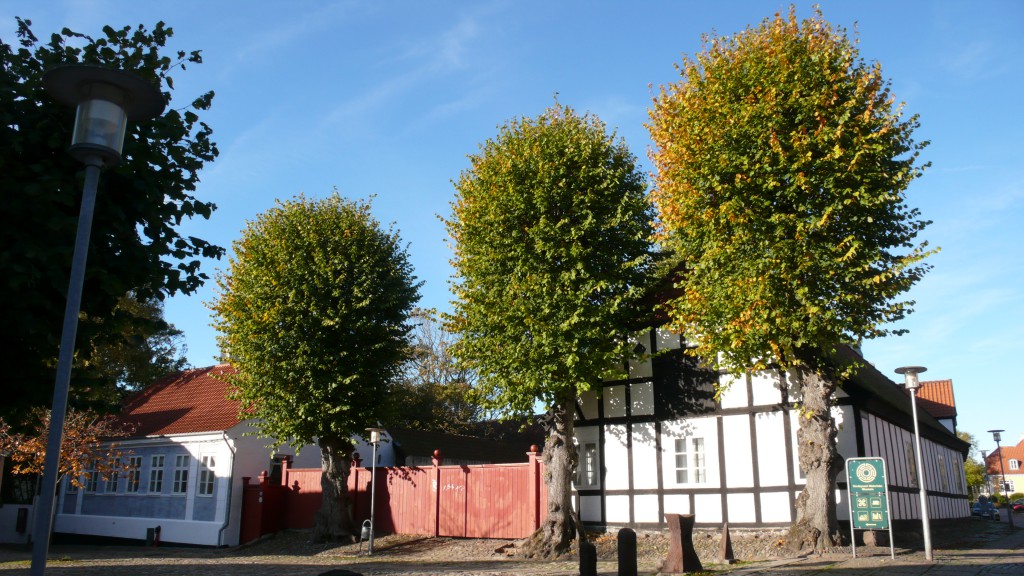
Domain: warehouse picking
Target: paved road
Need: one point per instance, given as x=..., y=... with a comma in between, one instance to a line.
x=1000, y=556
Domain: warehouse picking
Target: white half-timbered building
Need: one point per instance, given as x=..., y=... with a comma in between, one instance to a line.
x=658, y=442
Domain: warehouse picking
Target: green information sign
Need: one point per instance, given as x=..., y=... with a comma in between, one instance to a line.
x=867, y=484
x=869, y=495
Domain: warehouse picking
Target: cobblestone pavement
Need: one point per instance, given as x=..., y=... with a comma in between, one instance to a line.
x=1001, y=554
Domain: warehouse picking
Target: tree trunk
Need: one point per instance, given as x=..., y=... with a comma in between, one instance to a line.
x=333, y=521
x=816, y=528
x=555, y=535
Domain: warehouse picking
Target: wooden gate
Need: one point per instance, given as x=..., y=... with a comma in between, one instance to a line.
x=479, y=501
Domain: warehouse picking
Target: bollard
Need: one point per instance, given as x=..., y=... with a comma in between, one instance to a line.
x=588, y=559
x=682, y=556
x=627, y=552
x=725, y=555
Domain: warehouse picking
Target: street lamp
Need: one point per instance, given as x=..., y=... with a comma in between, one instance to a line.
x=912, y=383
x=105, y=99
x=375, y=440
x=984, y=462
x=996, y=435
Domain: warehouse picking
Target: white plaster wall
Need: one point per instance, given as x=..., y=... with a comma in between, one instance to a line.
x=766, y=388
x=590, y=508
x=794, y=425
x=771, y=449
x=775, y=507
x=666, y=340
x=734, y=391
x=9, y=521
x=642, y=396
x=645, y=508
x=615, y=458
x=177, y=531
x=707, y=428
x=645, y=456
x=846, y=441
x=741, y=507
x=617, y=509
x=614, y=401
x=588, y=404
x=677, y=504
x=707, y=508
x=739, y=456
x=641, y=368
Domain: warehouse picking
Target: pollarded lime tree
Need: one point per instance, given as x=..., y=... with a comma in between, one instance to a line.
x=551, y=231
x=782, y=166
x=313, y=312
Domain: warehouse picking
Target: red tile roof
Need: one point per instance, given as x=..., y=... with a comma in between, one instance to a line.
x=936, y=398
x=190, y=401
x=999, y=460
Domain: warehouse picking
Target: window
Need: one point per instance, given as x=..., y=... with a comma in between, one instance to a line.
x=1014, y=464
x=115, y=471
x=690, y=461
x=134, y=474
x=156, y=475
x=589, y=468
x=911, y=465
x=92, y=479
x=180, y=474
x=72, y=488
x=943, y=473
x=206, y=476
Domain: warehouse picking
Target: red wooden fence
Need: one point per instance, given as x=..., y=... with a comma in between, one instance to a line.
x=479, y=501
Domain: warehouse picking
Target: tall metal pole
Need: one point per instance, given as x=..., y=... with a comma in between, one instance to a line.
x=1002, y=472
x=920, y=476
x=44, y=513
x=373, y=496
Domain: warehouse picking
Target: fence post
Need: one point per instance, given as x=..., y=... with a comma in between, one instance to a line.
x=535, y=484
x=436, y=462
x=286, y=467
x=353, y=475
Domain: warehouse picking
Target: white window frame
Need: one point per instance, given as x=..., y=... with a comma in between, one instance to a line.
x=133, y=475
x=690, y=460
x=1014, y=464
x=71, y=488
x=207, y=475
x=92, y=480
x=156, y=474
x=115, y=473
x=588, y=470
x=181, y=464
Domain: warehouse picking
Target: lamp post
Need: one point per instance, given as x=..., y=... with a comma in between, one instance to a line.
x=996, y=435
x=105, y=99
x=984, y=462
x=375, y=440
x=912, y=383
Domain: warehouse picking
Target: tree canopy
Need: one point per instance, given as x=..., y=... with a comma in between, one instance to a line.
x=313, y=312
x=782, y=169
x=136, y=246
x=551, y=233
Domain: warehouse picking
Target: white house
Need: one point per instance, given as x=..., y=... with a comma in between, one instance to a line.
x=186, y=461
x=657, y=442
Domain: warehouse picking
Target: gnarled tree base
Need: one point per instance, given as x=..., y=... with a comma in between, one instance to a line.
x=332, y=521
x=553, y=539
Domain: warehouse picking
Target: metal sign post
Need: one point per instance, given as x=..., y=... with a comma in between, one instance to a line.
x=868, y=487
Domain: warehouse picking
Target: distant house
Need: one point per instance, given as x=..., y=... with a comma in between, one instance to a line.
x=1008, y=460
x=185, y=461
x=657, y=442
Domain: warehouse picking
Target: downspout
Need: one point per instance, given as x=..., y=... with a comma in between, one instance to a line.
x=231, y=483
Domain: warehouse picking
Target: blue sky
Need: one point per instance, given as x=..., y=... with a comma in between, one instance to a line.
x=387, y=99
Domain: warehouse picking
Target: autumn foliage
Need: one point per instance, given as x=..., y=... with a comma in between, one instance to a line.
x=88, y=445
